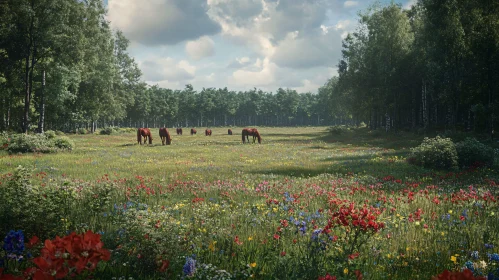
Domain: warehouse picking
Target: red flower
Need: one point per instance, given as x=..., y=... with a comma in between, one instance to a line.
x=353, y=256
x=276, y=236
x=327, y=277
x=164, y=265
x=461, y=275
x=283, y=253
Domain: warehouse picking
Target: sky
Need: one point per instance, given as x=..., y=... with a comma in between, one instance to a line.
x=238, y=44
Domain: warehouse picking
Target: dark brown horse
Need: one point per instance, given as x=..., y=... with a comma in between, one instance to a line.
x=144, y=132
x=165, y=136
x=179, y=131
x=229, y=131
x=193, y=131
x=207, y=132
x=251, y=132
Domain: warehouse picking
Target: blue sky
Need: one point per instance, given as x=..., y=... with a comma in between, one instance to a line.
x=238, y=44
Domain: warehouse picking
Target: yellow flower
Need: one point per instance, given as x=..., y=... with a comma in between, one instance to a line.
x=253, y=264
x=345, y=270
x=450, y=211
x=453, y=259
x=250, y=238
x=212, y=246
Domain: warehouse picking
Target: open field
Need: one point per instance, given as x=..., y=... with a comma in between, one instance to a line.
x=303, y=204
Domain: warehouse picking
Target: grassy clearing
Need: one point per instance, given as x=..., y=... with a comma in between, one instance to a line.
x=303, y=204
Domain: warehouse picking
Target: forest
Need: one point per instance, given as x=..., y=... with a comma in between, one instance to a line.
x=434, y=66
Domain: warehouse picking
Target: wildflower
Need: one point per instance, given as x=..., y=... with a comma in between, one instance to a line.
x=283, y=253
x=189, y=267
x=474, y=255
x=327, y=277
x=276, y=236
x=13, y=242
x=453, y=259
x=253, y=264
x=345, y=271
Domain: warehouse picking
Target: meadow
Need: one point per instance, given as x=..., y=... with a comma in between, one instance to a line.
x=305, y=204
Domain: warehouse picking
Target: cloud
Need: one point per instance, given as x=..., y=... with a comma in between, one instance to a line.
x=264, y=76
x=167, y=69
x=240, y=62
x=314, y=49
x=350, y=4
x=201, y=48
x=409, y=4
x=161, y=22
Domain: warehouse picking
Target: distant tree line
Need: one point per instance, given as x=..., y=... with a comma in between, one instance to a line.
x=433, y=66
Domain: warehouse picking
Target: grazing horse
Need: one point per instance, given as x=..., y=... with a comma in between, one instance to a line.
x=179, y=131
x=165, y=136
x=144, y=132
x=193, y=131
x=207, y=132
x=253, y=132
x=229, y=131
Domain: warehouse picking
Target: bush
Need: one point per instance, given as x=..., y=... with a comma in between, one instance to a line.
x=438, y=153
x=473, y=153
x=64, y=143
x=338, y=130
x=82, y=131
x=50, y=134
x=59, y=133
x=107, y=131
x=22, y=143
x=4, y=140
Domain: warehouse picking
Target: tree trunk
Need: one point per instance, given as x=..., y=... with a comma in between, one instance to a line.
x=42, y=106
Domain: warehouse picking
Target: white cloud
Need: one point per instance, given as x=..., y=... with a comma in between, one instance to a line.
x=161, y=22
x=201, y=48
x=264, y=76
x=167, y=69
x=350, y=4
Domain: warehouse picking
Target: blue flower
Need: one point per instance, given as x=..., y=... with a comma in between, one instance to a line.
x=469, y=265
x=14, y=242
x=489, y=246
x=474, y=255
x=315, y=234
x=493, y=257
x=189, y=266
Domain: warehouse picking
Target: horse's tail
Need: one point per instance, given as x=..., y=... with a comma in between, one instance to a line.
x=243, y=134
x=139, y=137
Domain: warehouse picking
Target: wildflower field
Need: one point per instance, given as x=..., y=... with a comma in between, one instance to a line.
x=305, y=204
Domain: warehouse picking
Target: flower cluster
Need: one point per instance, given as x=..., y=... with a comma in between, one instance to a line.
x=363, y=218
x=13, y=244
x=460, y=275
x=70, y=255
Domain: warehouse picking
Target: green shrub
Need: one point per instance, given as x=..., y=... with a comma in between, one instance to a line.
x=438, y=153
x=4, y=140
x=59, y=133
x=50, y=134
x=36, y=210
x=338, y=130
x=82, y=131
x=64, y=143
x=22, y=143
x=107, y=131
x=473, y=153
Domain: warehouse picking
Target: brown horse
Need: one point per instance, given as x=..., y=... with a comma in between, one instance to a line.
x=229, y=131
x=179, y=131
x=144, y=132
x=193, y=131
x=253, y=132
x=165, y=136
x=207, y=132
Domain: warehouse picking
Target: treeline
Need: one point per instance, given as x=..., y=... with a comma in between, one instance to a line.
x=433, y=66
x=63, y=68
x=221, y=107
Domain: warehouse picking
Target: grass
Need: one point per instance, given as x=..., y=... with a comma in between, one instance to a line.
x=266, y=211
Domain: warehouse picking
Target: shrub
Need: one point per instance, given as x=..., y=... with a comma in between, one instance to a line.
x=438, y=153
x=107, y=131
x=50, y=134
x=59, y=133
x=473, y=153
x=82, y=131
x=22, y=143
x=337, y=130
x=64, y=143
x=4, y=140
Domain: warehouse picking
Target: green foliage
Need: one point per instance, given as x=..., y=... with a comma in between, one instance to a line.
x=82, y=131
x=35, y=209
x=338, y=130
x=64, y=143
x=37, y=143
x=438, y=153
x=50, y=134
x=473, y=153
x=107, y=131
x=30, y=143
